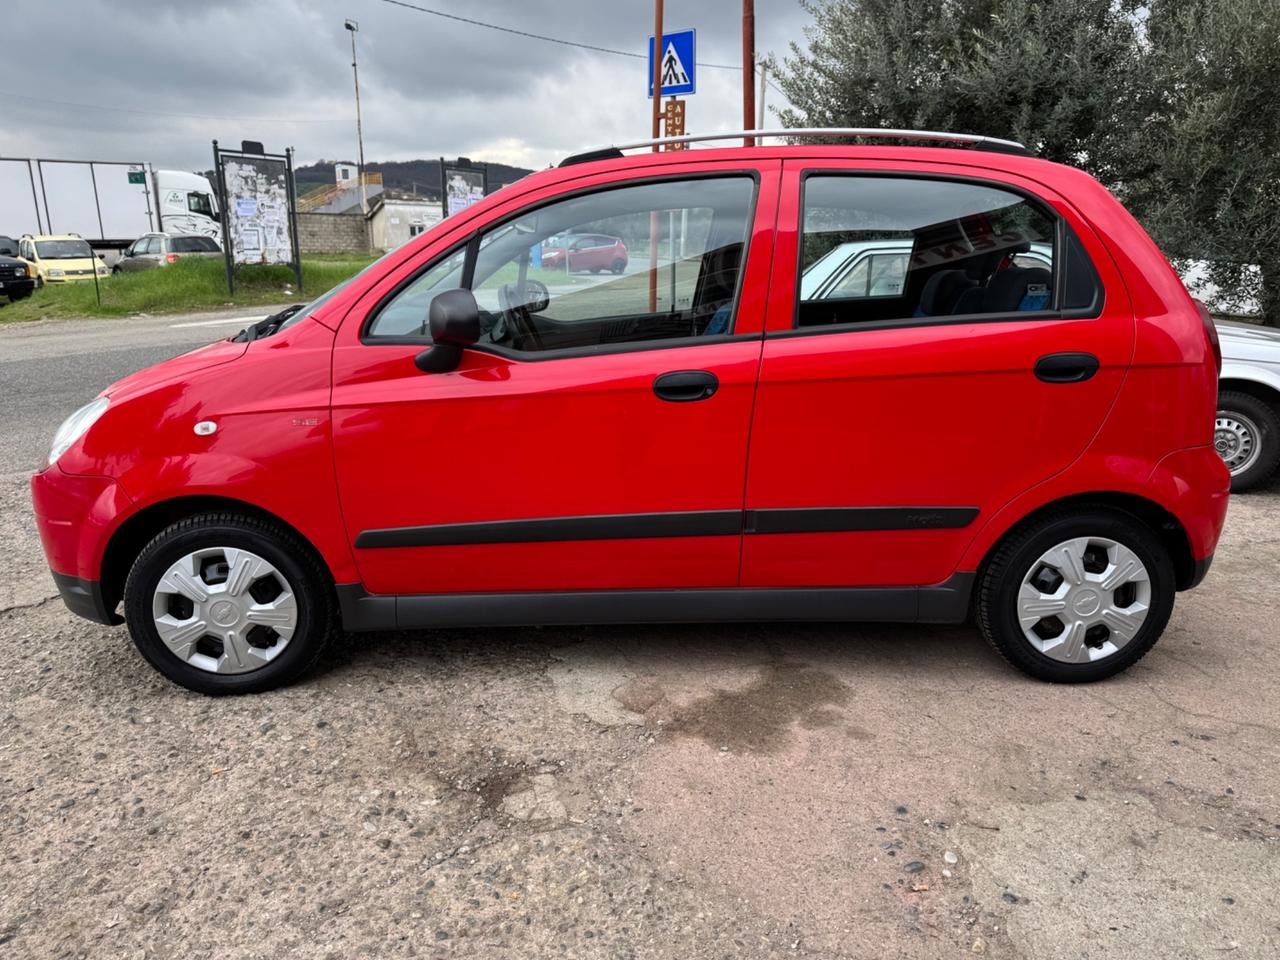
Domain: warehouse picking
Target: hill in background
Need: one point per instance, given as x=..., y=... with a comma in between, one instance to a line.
x=403, y=176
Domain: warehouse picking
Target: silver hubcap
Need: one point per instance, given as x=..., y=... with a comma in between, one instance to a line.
x=1235, y=437
x=1084, y=599
x=224, y=610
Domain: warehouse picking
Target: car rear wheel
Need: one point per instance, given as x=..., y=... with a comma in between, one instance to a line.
x=1077, y=596
x=618, y=266
x=222, y=603
x=1246, y=434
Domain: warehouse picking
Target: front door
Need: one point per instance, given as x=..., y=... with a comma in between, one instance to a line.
x=892, y=419
x=596, y=437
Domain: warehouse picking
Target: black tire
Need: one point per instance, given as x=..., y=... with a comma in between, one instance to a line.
x=317, y=611
x=1264, y=419
x=1022, y=548
x=618, y=266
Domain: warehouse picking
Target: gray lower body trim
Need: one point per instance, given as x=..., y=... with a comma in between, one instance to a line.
x=946, y=602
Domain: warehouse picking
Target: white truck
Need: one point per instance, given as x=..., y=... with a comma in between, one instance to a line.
x=108, y=203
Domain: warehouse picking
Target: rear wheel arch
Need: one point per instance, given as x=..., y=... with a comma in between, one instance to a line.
x=1166, y=527
x=139, y=529
x=1263, y=391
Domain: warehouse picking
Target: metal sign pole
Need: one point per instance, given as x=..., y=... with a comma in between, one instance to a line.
x=293, y=216
x=224, y=196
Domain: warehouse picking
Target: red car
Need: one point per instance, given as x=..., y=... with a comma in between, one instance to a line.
x=586, y=252
x=442, y=441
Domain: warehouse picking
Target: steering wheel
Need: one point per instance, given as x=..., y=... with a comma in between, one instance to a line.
x=517, y=315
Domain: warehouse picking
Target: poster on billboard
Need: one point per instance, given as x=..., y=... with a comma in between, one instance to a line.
x=463, y=183
x=258, y=208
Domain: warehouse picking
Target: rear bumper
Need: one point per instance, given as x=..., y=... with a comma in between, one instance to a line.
x=1193, y=484
x=1199, y=570
x=84, y=598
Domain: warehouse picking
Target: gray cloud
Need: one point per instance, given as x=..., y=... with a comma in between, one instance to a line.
x=280, y=72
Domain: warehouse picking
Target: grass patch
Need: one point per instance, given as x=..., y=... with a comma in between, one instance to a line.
x=183, y=287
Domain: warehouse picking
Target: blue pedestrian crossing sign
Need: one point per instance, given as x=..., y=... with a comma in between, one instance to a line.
x=678, y=66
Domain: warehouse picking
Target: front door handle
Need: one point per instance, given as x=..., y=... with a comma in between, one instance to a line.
x=686, y=386
x=1066, y=367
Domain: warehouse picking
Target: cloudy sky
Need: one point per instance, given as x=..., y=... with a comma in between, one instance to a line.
x=157, y=80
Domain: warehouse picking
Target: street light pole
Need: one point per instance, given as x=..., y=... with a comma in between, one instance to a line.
x=354, y=27
x=657, y=102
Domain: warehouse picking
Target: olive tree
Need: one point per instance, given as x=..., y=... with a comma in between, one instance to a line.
x=1203, y=163
x=1053, y=74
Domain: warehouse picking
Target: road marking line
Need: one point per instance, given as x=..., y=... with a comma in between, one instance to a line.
x=218, y=323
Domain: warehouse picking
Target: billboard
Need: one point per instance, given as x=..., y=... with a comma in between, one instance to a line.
x=463, y=184
x=259, y=217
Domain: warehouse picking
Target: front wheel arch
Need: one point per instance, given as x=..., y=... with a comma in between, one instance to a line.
x=139, y=529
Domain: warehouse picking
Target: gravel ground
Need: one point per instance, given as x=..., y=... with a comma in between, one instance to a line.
x=745, y=792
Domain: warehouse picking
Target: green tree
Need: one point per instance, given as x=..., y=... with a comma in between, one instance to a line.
x=1203, y=166
x=1053, y=74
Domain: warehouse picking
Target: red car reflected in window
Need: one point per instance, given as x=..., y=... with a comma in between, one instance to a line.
x=592, y=253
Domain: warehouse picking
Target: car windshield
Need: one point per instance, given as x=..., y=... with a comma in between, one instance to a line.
x=62, y=249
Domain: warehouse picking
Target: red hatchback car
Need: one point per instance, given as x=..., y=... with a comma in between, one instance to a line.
x=451, y=438
x=591, y=252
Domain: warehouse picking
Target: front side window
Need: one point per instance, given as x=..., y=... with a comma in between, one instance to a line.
x=200, y=203
x=577, y=273
x=888, y=248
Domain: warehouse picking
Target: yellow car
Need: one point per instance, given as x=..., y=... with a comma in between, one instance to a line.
x=60, y=259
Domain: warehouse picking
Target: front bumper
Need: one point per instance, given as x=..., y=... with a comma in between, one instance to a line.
x=76, y=517
x=17, y=289
x=84, y=598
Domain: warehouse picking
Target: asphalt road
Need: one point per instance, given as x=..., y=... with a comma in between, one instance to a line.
x=652, y=792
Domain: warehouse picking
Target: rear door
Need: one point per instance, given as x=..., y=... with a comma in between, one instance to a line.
x=890, y=423
x=596, y=437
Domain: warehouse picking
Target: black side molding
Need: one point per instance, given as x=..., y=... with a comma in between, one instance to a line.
x=850, y=519
x=707, y=523
x=625, y=526
x=947, y=602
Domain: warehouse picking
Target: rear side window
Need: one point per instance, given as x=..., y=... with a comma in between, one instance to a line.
x=193, y=245
x=895, y=249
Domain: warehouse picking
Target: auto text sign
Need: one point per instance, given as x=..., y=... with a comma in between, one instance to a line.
x=678, y=66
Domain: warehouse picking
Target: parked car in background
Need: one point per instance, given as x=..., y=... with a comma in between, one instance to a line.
x=591, y=252
x=16, y=279
x=156, y=250
x=8, y=247
x=60, y=258
x=1247, y=429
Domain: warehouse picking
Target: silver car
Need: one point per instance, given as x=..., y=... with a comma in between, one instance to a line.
x=158, y=249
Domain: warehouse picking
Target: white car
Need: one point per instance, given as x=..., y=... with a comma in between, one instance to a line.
x=1247, y=429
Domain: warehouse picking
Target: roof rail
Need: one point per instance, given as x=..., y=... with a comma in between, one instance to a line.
x=971, y=140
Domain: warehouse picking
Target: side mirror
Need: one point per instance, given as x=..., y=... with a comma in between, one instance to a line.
x=454, y=321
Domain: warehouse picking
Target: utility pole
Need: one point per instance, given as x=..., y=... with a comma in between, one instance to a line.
x=748, y=69
x=354, y=27
x=760, y=98
x=657, y=104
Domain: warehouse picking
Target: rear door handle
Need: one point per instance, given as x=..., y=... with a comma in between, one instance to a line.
x=1066, y=367
x=686, y=386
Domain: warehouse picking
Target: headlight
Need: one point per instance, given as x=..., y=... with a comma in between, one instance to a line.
x=102, y=271
x=75, y=427
x=20, y=272
x=55, y=273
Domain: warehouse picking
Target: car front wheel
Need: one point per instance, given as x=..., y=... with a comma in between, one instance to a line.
x=222, y=603
x=1246, y=434
x=1077, y=596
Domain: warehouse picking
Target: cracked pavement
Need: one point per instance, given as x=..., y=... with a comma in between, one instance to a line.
x=748, y=791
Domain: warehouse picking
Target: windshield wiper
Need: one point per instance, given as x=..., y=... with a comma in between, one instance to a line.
x=266, y=326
